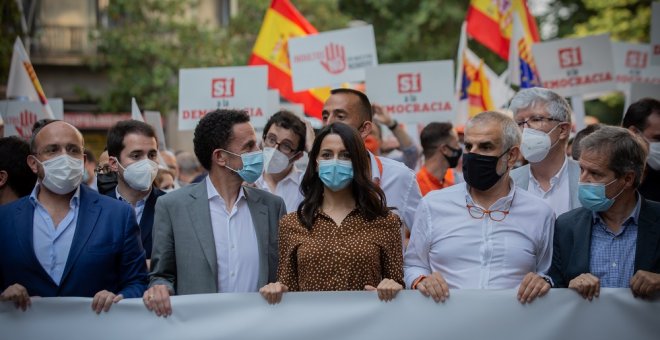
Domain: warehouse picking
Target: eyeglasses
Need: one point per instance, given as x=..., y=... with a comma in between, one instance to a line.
x=53, y=150
x=285, y=147
x=105, y=169
x=495, y=215
x=536, y=122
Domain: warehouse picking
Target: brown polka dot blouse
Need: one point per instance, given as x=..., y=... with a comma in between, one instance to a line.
x=334, y=257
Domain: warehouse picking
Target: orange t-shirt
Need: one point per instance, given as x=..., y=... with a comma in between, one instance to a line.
x=427, y=182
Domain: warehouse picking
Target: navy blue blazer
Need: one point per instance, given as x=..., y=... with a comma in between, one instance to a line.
x=572, y=243
x=147, y=221
x=106, y=251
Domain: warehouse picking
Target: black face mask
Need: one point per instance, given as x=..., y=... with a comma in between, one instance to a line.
x=479, y=171
x=455, y=155
x=106, y=182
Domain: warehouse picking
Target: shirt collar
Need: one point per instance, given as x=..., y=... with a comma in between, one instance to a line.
x=633, y=218
x=138, y=203
x=503, y=203
x=73, y=203
x=212, y=193
x=556, y=178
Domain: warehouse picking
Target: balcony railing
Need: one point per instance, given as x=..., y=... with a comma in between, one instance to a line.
x=62, y=44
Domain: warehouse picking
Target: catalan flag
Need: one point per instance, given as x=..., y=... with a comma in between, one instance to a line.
x=491, y=23
x=282, y=22
x=522, y=68
x=476, y=88
x=23, y=81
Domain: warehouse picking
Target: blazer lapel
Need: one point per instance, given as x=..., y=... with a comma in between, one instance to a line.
x=582, y=242
x=259, y=214
x=88, y=214
x=24, y=218
x=200, y=216
x=573, y=179
x=647, y=237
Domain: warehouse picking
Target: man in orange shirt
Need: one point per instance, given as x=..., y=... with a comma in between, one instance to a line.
x=441, y=152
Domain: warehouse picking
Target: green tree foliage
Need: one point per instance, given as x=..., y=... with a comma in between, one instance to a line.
x=10, y=28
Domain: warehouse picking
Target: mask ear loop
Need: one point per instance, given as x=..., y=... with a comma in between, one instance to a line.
x=553, y=129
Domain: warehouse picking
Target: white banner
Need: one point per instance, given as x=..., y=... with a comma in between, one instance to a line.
x=154, y=119
x=331, y=58
x=655, y=33
x=467, y=314
x=420, y=92
x=631, y=65
x=576, y=66
x=20, y=115
x=204, y=90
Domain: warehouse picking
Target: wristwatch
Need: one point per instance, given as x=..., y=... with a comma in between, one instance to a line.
x=394, y=125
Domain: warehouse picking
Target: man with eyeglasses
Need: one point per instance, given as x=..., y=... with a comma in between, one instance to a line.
x=544, y=118
x=284, y=143
x=613, y=239
x=485, y=233
x=65, y=239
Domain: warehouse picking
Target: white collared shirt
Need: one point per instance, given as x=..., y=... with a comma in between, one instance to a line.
x=479, y=253
x=139, y=205
x=288, y=189
x=400, y=186
x=558, y=196
x=236, y=246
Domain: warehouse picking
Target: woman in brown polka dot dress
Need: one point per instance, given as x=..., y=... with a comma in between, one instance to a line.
x=343, y=236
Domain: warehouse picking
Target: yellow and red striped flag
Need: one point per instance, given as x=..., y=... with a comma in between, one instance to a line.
x=491, y=23
x=282, y=22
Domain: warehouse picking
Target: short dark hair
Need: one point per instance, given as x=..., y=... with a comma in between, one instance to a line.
x=215, y=131
x=434, y=134
x=89, y=155
x=369, y=198
x=638, y=113
x=288, y=120
x=13, y=159
x=118, y=132
x=626, y=150
x=364, y=104
x=575, y=147
x=36, y=128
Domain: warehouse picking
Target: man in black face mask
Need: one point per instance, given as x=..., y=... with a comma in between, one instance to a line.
x=441, y=154
x=485, y=233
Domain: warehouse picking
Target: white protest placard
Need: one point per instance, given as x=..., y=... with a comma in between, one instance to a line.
x=203, y=90
x=20, y=115
x=580, y=66
x=419, y=92
x=296, y=109
x=331, y=58
x=631, y=65
x=154, y=119
x=655, y=33
x=273, y=102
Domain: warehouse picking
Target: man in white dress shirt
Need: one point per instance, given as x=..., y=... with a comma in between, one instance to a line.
x=399, y=183
x=284, y=144
x=485, y=233
x=544, y=118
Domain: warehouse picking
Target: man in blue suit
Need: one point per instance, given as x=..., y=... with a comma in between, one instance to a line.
x=133, y=151
x=65, y=239
x=613, y=240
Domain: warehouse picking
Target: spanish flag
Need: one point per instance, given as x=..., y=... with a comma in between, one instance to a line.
x=282, y=22
x=491, y=23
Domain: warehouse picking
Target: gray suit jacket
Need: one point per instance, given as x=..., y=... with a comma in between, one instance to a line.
x=184, y=255
x=521, y=178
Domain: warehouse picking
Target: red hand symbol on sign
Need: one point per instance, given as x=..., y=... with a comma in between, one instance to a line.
x=335, y=59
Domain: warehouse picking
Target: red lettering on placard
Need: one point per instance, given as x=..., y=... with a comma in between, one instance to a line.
x=418, y=107
x=222, y=87
x=636, y=59
x=588, y=79
x=570, y=57
x=409, y=82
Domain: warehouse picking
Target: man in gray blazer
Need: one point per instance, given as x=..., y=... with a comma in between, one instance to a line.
x=545, y=120
x=216, y=235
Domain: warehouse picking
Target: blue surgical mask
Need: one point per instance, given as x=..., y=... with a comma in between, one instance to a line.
x=253, y=165
x=335, y=174
x=592, y=196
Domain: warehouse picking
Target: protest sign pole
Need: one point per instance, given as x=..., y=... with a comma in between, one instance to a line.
x=577, y=103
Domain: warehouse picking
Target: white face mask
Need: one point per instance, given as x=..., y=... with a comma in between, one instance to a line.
x=654, y=155
x=62, y=174
x=274, y=161
x=536, y=144
x=141, y=174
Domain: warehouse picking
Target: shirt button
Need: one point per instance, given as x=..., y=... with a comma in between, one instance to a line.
x=232, y=246
x=232, y=274
x=614, y=264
